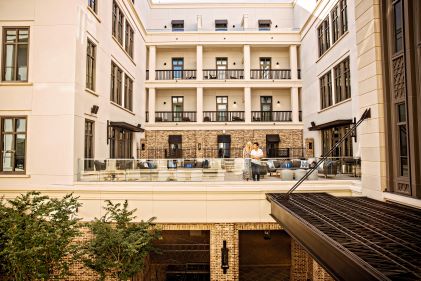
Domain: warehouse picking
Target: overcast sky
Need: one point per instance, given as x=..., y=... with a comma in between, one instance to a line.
x=220, y=1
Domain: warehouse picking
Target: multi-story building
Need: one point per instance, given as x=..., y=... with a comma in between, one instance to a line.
x=92, y=92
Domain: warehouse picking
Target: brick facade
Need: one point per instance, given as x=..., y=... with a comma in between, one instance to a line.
x=195, y=143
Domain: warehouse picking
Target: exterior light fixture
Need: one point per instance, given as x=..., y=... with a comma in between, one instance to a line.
x=165, y=102
x=277, y=63
x=224, y=257
x=199, y=146
x=235, y=102
x=165, y=63
x=234, y=63
x=278, y=102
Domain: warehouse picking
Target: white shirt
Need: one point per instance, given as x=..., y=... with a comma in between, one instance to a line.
x=256, y=153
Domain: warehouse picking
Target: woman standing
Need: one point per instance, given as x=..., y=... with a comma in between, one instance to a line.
x=247, y=161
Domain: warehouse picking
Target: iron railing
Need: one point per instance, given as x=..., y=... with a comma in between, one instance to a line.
x=223, y=116
x=270, y=74
x=175, y=74
x=175, y=116
x=271, y=116
x=223, y=74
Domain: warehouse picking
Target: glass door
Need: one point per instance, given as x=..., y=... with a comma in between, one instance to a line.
x=221, y=68
x=177, y=108
x=222, y=109
x=265, y=68
x=266, y=108
x=177, y=68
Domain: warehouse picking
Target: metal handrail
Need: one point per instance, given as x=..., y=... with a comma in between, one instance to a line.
x=365, y=115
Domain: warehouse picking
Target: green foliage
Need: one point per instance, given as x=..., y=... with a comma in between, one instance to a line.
x=119, y=246
x=35, y=236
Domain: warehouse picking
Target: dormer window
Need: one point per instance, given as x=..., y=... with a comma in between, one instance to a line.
x=221, y=25
x=177, y=25
x=264, y=25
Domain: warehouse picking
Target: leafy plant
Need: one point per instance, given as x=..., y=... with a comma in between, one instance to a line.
x=36, y=234
x=119, y=246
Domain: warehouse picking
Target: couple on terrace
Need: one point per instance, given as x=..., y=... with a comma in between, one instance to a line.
x=252, y=155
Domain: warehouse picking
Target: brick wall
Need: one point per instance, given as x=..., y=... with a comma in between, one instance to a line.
x=208, y=139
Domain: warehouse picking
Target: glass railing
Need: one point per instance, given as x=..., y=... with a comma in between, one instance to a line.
x=212, y=169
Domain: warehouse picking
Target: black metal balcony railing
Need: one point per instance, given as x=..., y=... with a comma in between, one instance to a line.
x=175, y=74
x=271, y=116
x=223, y=116
x=223, y=74
x=270, y=74
x=172, y=116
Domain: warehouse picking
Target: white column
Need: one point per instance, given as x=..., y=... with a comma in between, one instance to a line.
x=199, y=23
x=294, y=104
x=293, y=61
x=152, y=62
x=199, y=105
x=247, y=104
x=152, y=98
x=199, y=62
x=247, y=62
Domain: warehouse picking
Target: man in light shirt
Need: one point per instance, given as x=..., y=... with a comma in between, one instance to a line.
x=256, y=154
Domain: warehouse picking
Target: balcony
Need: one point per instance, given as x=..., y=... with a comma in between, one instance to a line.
x=270, y=74
x=271, y=116
x=223, y=116
x=175, y=74
x=223, y=74
x=171, y=116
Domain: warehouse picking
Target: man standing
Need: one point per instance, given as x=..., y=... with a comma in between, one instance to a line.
x=256, y=154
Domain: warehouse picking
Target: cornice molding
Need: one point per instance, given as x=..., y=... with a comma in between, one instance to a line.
x=218, y=5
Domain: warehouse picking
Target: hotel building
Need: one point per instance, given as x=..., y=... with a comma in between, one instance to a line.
x=92, y=92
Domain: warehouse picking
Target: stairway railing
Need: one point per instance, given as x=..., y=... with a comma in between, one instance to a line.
x=365, y=115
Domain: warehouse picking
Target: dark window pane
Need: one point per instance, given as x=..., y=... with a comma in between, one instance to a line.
x=398, y=18
x=11, y=36
x=22, y=63
x=401, y=112
x=23, y=35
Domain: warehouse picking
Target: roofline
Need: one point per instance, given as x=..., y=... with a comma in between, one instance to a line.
x=219, y=5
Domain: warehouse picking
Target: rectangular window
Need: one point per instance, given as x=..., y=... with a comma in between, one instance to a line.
x=13, y=144
x=93, y=5
x=116, y=84
x=323, y=36
x=177, y=25
x=222, y=109
x=177, y=68
x=221, y=68
x=90, y=65
x=129, y=40
x=120, y=143
x=342, y=81
x=128, y=93
x=117, y=22
x=221, y=25
x=339, y=20
x=89, y=144
x=332, y=136
x=265, y=25
x=402, y=140
x=398, y=25
x=15, y=54
x=326, y=90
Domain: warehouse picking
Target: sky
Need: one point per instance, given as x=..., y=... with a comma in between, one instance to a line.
x=220, y=1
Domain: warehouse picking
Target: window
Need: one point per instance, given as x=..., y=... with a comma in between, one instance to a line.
x=332, y=136
x=324, y=37
x=402, y=140
x=326, y=90
x=222, y=109
x=175, y=146
x=177, y=25
x=93, y=5
x=120, y=143
x=224, y=146
x=265, y=25
x=128, y=93
x=221, y=68
x=221, y=25
x=89, y=144
x=116, y=84
x=265, y=68
x=177, y=108
x=90, y=65
x=128, y=42
x=118, y=22
x=398, y=25
x=15, y=54
x=266, y=108
x=342, y=81
x=13, y=144
x=177, y=68
x=339, y=20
